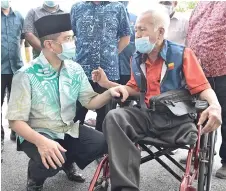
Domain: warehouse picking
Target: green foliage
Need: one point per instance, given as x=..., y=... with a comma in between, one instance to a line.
x=184, y=6
x=192, y=4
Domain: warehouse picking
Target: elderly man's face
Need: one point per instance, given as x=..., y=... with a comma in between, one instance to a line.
x=145, y=28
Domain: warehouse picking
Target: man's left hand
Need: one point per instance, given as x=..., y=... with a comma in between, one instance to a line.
x=119, y=91
x=213, y=116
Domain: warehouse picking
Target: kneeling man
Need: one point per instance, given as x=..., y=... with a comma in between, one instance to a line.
x=43, y=103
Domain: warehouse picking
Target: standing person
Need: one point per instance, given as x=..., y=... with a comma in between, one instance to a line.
x=11, y=60
x=207, y=37
x=102, y=31
x=43, y=116
x=178, y=23
x=31, y=35
x=126, y=54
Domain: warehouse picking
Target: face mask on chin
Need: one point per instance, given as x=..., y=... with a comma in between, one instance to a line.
x=143, y=45
x=68, y=51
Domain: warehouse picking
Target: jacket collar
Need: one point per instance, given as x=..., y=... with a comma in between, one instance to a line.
x=164, y=50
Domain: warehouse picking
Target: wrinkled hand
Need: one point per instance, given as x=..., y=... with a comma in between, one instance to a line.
x=213, y=115
x=100, y=77
x=50, y=152
x=119, y=91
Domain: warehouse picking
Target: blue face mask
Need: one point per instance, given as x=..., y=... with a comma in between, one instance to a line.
x=143, y=45
x=50, y=3
x=68, y=51
x=5, y=4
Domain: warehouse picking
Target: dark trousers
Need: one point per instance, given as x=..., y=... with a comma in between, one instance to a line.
x=219, y=86
x=89, y=146
x=6, y=82
x=122, y=127
x=124, y=79
x=101, y=113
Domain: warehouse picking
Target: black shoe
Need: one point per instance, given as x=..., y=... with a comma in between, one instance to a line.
x=13, y=135
x=33, y=185
x=71, y=173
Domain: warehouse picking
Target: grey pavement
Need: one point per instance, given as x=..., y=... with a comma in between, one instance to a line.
x=153, y=176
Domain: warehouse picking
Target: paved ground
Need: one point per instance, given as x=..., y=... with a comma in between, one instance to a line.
x=153, y=176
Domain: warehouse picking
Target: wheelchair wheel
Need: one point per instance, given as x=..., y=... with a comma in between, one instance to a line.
x=206, y=161
x=101, y=185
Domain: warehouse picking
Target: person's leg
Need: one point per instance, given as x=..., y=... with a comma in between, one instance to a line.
x=102, y=112
x=9, y=84
x=122, y=127
x=37, y=172
x=80, y=113
x=89, y=146
x=3, y=90
x=220, y=89
x=123, y=81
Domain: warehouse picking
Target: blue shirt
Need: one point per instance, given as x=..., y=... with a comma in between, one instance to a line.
x=126, y=54
x=12, y=25
x=98, y=29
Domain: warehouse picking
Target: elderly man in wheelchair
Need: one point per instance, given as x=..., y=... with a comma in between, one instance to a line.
x=168, y=79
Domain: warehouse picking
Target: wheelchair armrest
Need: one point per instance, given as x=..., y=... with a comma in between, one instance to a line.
x=201, y=105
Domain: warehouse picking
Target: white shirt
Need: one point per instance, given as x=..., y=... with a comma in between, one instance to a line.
x=178, y=28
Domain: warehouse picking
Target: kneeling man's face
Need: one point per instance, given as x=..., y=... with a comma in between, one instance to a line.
x=64, y=37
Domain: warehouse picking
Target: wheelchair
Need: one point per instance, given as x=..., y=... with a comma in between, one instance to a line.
x=198, y=167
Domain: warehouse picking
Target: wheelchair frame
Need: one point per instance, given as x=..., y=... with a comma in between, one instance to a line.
x=202, y=153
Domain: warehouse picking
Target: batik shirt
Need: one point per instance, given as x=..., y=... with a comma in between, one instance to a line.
x=98, y=29
x=46, y=99
x=11, y=32
x=207, y=36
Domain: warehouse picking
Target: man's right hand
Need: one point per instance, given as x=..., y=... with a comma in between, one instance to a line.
x=100, y=77
x=50, y=152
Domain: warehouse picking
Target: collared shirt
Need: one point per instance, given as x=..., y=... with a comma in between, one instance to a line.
x=207, y=36
x=32, y=16
x=12, y=25
x=193, y=73
x=178, y=28
x=46, y=99
x=98, y=29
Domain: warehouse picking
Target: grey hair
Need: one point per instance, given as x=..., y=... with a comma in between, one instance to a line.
x=160, y=18
x=48, y=37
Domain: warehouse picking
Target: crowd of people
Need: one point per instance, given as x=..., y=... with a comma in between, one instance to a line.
x=82, y=59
